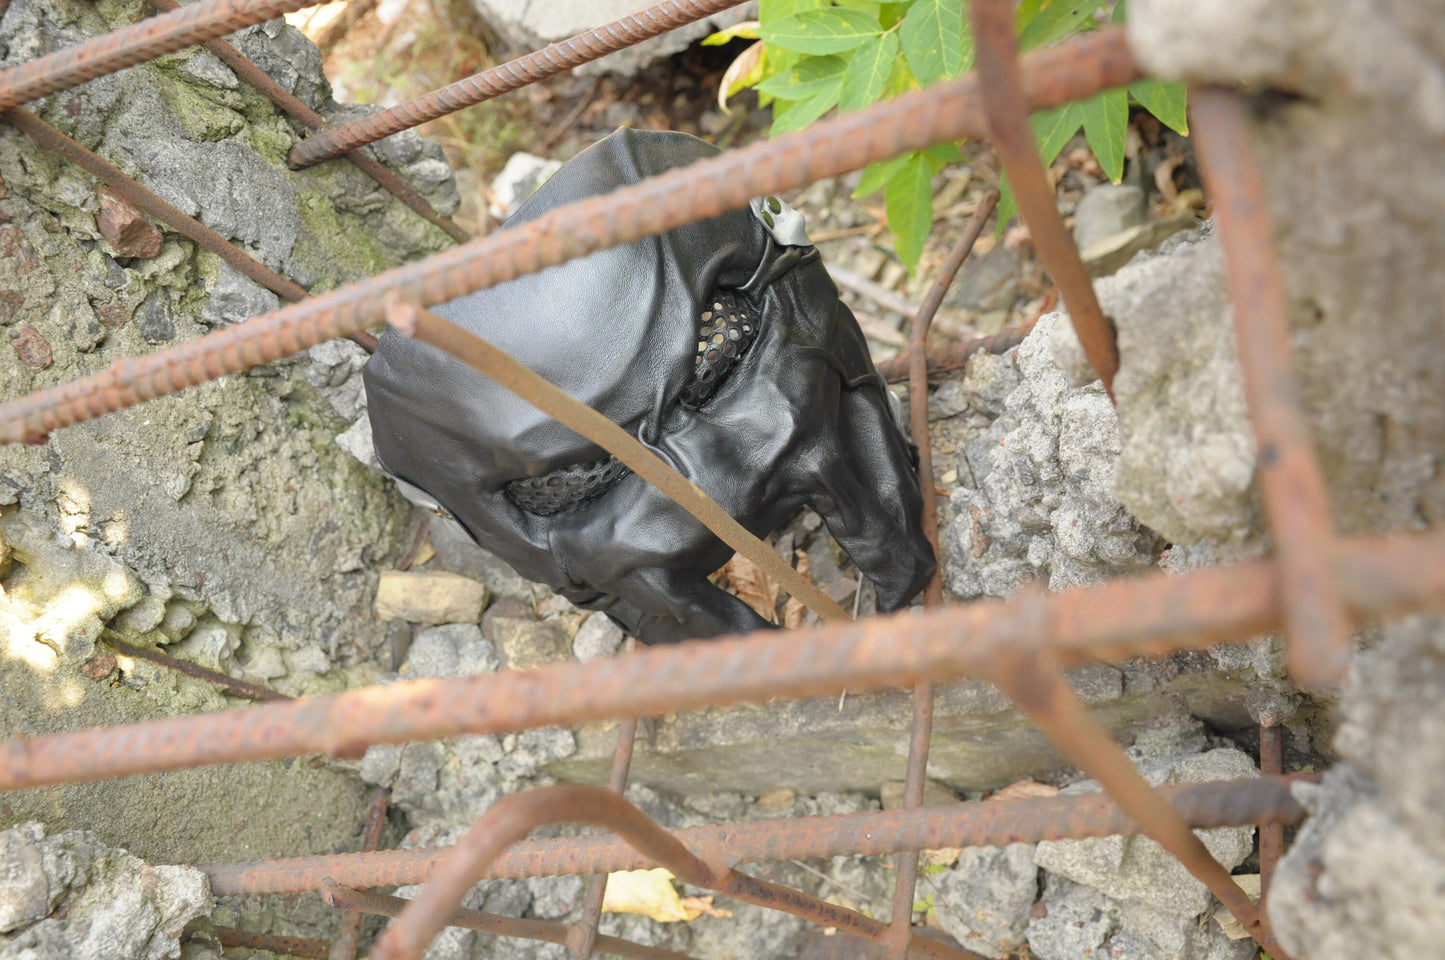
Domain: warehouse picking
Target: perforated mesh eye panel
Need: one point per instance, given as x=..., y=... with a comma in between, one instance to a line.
x=556, y=491
x=726, y=328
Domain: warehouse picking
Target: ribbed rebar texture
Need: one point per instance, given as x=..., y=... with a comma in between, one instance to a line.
x=1013, y=139
x=135, y=44
x=512, y=75
x=1296, y=503
x=996, y=823
x=1146, y=615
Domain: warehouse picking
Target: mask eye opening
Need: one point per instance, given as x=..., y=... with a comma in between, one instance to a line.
x=727, y=327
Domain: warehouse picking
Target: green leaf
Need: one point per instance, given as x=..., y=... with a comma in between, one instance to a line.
x=833, y=30
x=1106, y=124
x=867, y=72
x=1058, y=20
x=1166, y=100
x=771, y=11
x=941, y=155
x=1028, y=9
x=901, y=80
x=891, y=13
x=875, y=175
x=1008, y=205
x=1120, y=12
x=748, y=30
x=934, y=40
x=908, y=196
x=803, y=112
x=1055, y=127
x=808, y=77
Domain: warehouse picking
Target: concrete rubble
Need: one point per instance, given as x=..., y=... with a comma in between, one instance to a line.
x=222, y=524
x=67, y=896
x=242, y=526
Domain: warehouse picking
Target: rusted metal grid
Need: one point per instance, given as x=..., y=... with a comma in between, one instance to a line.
x=1020, y=644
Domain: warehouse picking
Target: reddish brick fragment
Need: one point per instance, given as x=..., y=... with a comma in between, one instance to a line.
x=126, y=229
x=32, y=348
x=10, y=303
x=113, y=315
x=99, y=666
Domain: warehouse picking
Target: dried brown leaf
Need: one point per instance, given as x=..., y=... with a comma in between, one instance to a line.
x=753, y=586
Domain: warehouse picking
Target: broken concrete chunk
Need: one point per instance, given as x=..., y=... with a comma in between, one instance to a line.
x=70, y=897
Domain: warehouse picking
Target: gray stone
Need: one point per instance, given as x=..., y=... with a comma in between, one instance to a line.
x=457, y=553
x=156, y=324
x=1356, y=250
x=1137, y=869
x=1034, y=499
x=1106, y=210
x=1365, y=871
x=452, y=650
x=1071, y=921
x=356, y=441
x=70, y=897
x=519, y=179
x=990, y=283
x=1149, y=934
x=1393, y=725
x=335, y=372
x=597, y=637
x=1187, y=461
x=1107, y=254
x=984, y=900
x=236, y=297
x=555, y=897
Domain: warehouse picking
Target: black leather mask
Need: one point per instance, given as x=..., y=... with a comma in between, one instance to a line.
x=722, y=346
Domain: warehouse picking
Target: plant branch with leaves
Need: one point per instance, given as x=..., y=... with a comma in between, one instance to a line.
x=815, y=56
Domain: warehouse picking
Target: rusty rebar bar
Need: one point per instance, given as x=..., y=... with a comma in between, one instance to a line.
x=582, y=936
x=344, y=946
x=876, y=833
x=529, y=68
x=918, y=385
x=513, y=817
x=1007, y=108
x=289, y=102
x=1151, y=614
x=1024, y=672
x=132, y=192
x=954, y=356
x=427, y=327
x=900, y=921
x=382, y=905
x=228, y=684
x=307, y=947
x=704, y=189
x=137, y=43
x=1296, y=503
x=1271, y=835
